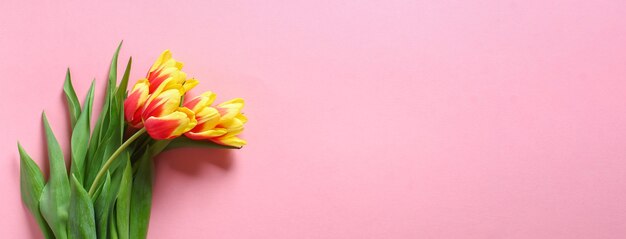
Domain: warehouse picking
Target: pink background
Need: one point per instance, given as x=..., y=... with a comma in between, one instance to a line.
x=389, y=119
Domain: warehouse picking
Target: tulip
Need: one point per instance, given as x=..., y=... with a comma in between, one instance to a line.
x=220, y=124
x=165, y=67
x=154, y=101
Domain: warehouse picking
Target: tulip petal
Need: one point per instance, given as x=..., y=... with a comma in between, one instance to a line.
x=208, y=116
x=135, y=101
x=212, y=133
x=165, y=55
x=230, y=109
x=200, y=102
x=162, y=104
x=242, y=118
x=171, y=125
x=190, y=84
x=234, y=126
x=230, y=141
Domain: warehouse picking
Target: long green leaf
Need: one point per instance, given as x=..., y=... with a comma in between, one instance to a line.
x=141, y=199
x=101, y=208
x=80, y=137
x=113, y=72
x=122, y=206
x=82, y=224
x=73, y=105
x=121, y=89
x=113, y=234
x=110, y=91
x=94, y=147
x=94, y=164
x=56, y=194
x=99, y=145
x=116, y=179
x=31, y=186
x=116, y=120
x=120, y=96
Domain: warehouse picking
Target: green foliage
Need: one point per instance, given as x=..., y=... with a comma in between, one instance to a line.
x=103, y=140
x=80, y=137
x=122, y=205
x=141, y=199
x=31, y=187
x=56, y=194
x=62, y=206
x=72, y=100
x=101, y=208
x=82, y=220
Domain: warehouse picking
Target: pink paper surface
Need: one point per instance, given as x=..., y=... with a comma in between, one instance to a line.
x=368, y=119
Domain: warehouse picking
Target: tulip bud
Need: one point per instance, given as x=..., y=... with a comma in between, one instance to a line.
x=220, y=124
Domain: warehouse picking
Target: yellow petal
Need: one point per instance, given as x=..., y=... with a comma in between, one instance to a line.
x=230, y=109
x=206, y=134
x=166, y=55
x=242, y=118
x=208, y=115
x=190, y=84
x=230, y=141
x=234, y=126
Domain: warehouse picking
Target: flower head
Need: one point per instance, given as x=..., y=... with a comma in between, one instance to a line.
x=166, y=67
x=155, y=101
x=221, y=124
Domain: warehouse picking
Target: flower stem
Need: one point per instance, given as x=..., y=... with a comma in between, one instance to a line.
x=111, y=159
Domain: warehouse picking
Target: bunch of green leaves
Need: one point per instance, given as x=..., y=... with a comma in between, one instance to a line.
x=61, y=205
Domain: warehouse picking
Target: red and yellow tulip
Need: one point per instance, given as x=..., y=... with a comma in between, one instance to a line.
x=221, y=124
x=166, y=67
x=155, y=101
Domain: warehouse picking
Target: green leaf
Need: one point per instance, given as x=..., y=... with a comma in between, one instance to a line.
x=95, y=163
x=123, y=202
x=56, y=194
x=121, y=89
x=113, y=234
x=184, y=142
x=81, y=220
x=95, y=147
x=120, y=96
x=101, y=208
x=112, y=141
x=116, y=120
x=80, y=137
x=72, y=100
x=31, y=187
x=113, y=72
x=110, y=91
x=141, y=199
x=106, y=138
x=116, y=179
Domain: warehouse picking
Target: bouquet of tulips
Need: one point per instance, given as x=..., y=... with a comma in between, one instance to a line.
x=107, y=191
